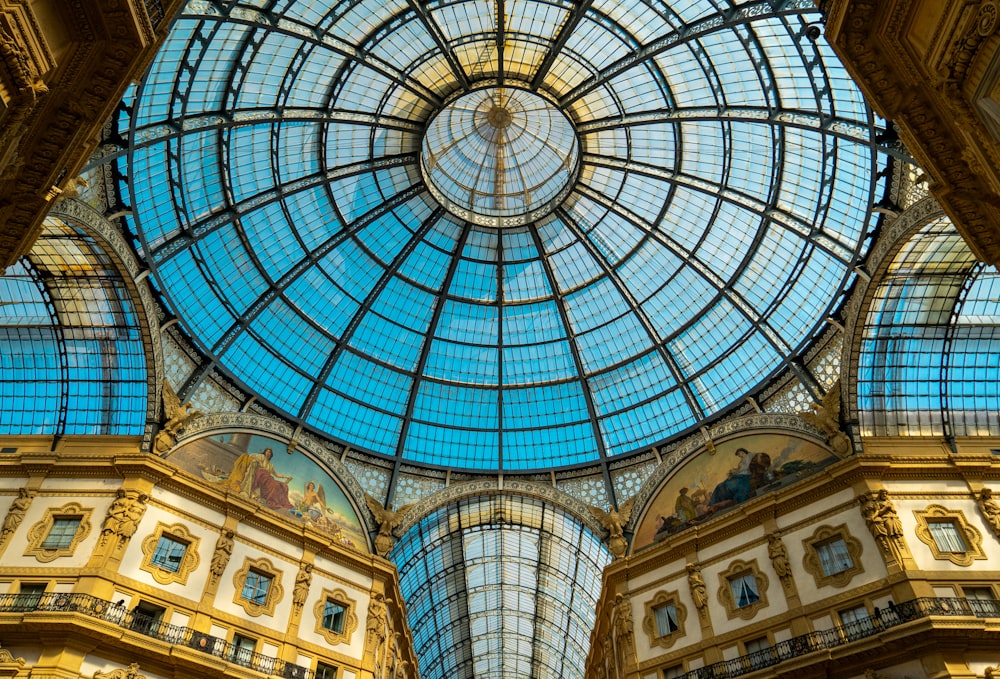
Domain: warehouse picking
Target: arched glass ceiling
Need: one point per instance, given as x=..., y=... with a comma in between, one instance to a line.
x=72, y=359
x=723, y=194
x=930, y=354
x=499, y=587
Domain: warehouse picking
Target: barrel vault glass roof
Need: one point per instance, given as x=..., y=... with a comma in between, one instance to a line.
x=722, y=196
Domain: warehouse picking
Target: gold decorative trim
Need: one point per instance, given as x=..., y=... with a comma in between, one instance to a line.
x=662, y=598
x=972, y=537
x=736, y=569
x=189, y=561
x=39, y=531
x=130, y=672
x=274, y=590
x=350, y=619
x=827, y=534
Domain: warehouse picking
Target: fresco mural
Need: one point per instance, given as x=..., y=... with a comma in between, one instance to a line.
x=259, y=468
x=741, y=468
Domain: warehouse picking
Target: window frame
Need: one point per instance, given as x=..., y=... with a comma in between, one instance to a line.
x=649, y=620
x=939, y=514
x=350, y=619
x=813, y=563
x=39, y=531
x=738, y=570
x=260, y=567
x=189, y=561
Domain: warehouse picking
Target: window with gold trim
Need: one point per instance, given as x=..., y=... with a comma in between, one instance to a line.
x=664, y=620
x=258, y=587
x=832, y=556
x=335, y=618
x=59, y=532
x=170, y=554
x=743, y=589
x=949, y=535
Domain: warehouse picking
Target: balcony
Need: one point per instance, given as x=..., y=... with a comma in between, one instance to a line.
x=846, y=634
x=120, y=616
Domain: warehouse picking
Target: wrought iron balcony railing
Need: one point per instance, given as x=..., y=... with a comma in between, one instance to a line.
x=150, y=626
x=845, y=634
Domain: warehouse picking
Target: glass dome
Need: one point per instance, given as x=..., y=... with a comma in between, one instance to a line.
x=670, y=227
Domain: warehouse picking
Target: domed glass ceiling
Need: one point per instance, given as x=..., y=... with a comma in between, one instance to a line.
x=718, y=166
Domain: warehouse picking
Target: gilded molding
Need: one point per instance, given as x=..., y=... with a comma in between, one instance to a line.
x=739, y=568
x=972, y=538
x=130, y=672
x=188, y=562
x=663, y=598
x=39, y=531
x=350, y=622
x=810, y=561
x=274, y=589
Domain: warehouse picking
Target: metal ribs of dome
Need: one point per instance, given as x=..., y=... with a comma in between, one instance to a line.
x=723, y=196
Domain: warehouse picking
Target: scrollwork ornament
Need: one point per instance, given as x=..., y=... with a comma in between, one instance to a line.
x=986, y=20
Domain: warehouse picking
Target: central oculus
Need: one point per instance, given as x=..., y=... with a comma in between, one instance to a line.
x=500, y=156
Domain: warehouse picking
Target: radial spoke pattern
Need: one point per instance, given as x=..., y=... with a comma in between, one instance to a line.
x=673, y=226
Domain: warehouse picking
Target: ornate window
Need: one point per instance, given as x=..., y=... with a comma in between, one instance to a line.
x=335, y=618
x=949, y=535
x=170, y=554
x=743, y=589
x=832, y=556
x=664, y=619
x=59, y=532
x=258, y=587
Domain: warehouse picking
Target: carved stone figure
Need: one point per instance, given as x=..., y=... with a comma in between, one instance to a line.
x=387, y=520
x=699, y=593
x=614, y=521
x=884, y=523
x=376, y=632
x=15, y=515
x=223, y=550
x=990, y=509
x=991, y=673
x=623, y=631
x=779, y=557
x=6, y=657
x=124, y=516
x=177, y=416
x=302, y=581
x=825, y=416
x=131, y=672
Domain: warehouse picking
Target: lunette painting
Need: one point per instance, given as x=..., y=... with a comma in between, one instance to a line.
x=260, y=469
x=710, y=484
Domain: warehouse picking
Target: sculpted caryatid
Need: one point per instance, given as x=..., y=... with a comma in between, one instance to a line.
x=302, y=581
x=990, y=510
x=220, y=558
x=123, y=516
x=15, y=514
x=883, y=522
x=699, y=593
x=779, y=556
